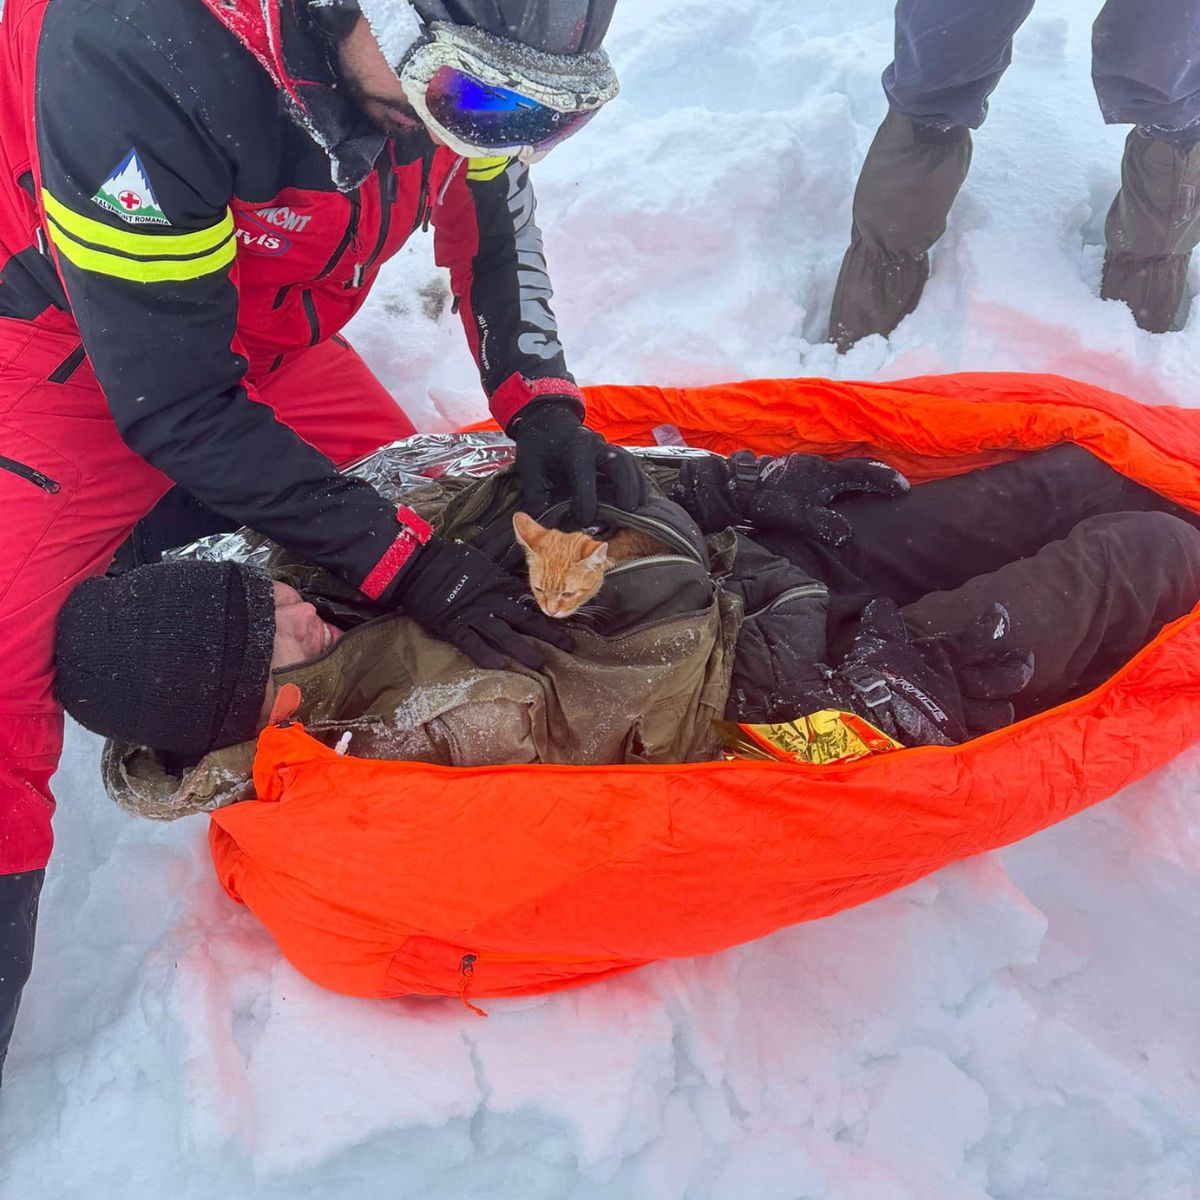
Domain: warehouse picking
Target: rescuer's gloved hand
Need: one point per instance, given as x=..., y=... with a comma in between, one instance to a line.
x=556, y=452
x=458, y=593
x=790, y=492
x=931, y=691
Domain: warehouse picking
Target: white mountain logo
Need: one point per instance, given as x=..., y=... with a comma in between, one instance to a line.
x=127, y=192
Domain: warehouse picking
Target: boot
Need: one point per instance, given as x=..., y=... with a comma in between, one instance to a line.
x=908, y=183
x=1152, y=228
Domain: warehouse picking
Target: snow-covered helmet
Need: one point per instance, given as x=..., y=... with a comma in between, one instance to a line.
x=491, y=77
x=552, y=26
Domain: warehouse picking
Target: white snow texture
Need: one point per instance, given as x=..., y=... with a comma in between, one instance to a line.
x=1021, y=1026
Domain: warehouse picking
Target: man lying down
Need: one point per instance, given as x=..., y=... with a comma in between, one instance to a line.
x=745, y=589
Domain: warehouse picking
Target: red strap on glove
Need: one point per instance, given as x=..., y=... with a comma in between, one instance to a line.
x=414, y=532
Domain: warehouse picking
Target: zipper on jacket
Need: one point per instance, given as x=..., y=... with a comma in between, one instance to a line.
x=36, y=477
x=347, y=236
x=68, y=366
x=424, y=207
x=310, y=313
x=389, y=189
x=643, y=524
x=458, y=163
x=340, y=249
x=792, y=593
x=651, y=560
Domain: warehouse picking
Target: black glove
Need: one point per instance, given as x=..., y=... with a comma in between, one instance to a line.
x=789, y=492
x=460, y=594
x=931, y=691
x=556, y=451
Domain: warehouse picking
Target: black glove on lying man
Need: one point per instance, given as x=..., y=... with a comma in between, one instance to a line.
x=788, y=492
x=928, y=691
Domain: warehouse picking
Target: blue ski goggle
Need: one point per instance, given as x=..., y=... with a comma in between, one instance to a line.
x=485, y=96
x=494, y=118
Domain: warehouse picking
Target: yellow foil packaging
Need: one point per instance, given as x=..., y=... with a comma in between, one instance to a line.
x=828, y=736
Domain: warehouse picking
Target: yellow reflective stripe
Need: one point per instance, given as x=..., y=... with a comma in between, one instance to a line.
x=144, y=245
x=138, y=270
x=482, y=169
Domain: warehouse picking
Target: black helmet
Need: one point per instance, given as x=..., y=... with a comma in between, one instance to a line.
x=552, y=26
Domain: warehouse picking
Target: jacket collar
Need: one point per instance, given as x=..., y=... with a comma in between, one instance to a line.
x=274, y=32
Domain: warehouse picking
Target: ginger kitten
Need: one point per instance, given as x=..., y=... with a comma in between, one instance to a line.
x=567, y=569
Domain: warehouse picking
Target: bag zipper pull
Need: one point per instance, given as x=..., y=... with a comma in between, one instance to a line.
x=466, y=970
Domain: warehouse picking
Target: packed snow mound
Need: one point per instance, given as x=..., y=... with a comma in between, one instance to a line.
x=1018, y=1027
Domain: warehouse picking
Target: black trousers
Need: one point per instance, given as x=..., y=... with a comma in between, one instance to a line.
x=18, y=921
x=1089, y=564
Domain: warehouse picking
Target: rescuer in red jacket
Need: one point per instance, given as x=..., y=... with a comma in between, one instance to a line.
x=195, y=197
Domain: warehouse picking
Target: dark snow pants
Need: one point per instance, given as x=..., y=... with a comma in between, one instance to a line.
x=1089, y=564
x=18, y=920
x=950, y=55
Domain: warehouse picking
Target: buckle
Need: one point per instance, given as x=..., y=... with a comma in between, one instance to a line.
x=745, y=471
x=870, y=685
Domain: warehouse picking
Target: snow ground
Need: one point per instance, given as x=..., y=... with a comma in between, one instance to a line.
x=1019, y=1027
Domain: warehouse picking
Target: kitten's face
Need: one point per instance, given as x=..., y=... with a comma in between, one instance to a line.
x=565, y=569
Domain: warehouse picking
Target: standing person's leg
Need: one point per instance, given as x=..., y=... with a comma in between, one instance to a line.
x=1146, y=64
x=329, y=396
x=1084, y=604
x=70, y=491
x=950, y=54
x=1146, y=69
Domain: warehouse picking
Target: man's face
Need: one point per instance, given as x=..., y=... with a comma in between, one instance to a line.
x=368, y=77
x=300, y=635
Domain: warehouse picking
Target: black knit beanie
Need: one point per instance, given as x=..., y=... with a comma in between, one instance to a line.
x=175, y=656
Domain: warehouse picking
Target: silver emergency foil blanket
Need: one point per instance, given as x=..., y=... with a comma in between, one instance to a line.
x=397, y=471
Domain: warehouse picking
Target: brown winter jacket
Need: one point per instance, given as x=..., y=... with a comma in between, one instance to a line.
x=643, y=683
x=676, y=641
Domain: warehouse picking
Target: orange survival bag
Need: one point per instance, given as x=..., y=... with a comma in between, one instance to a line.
x=390, y=878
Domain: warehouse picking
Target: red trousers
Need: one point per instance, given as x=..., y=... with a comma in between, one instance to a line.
x=71, y=491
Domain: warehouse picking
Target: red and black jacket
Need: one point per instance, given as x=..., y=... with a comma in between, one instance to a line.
x=182, y=182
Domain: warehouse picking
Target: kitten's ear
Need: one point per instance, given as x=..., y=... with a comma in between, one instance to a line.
x=529, y=532
x=598, y=557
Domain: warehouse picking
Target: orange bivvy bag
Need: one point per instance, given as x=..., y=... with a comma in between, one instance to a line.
x=390, y=878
